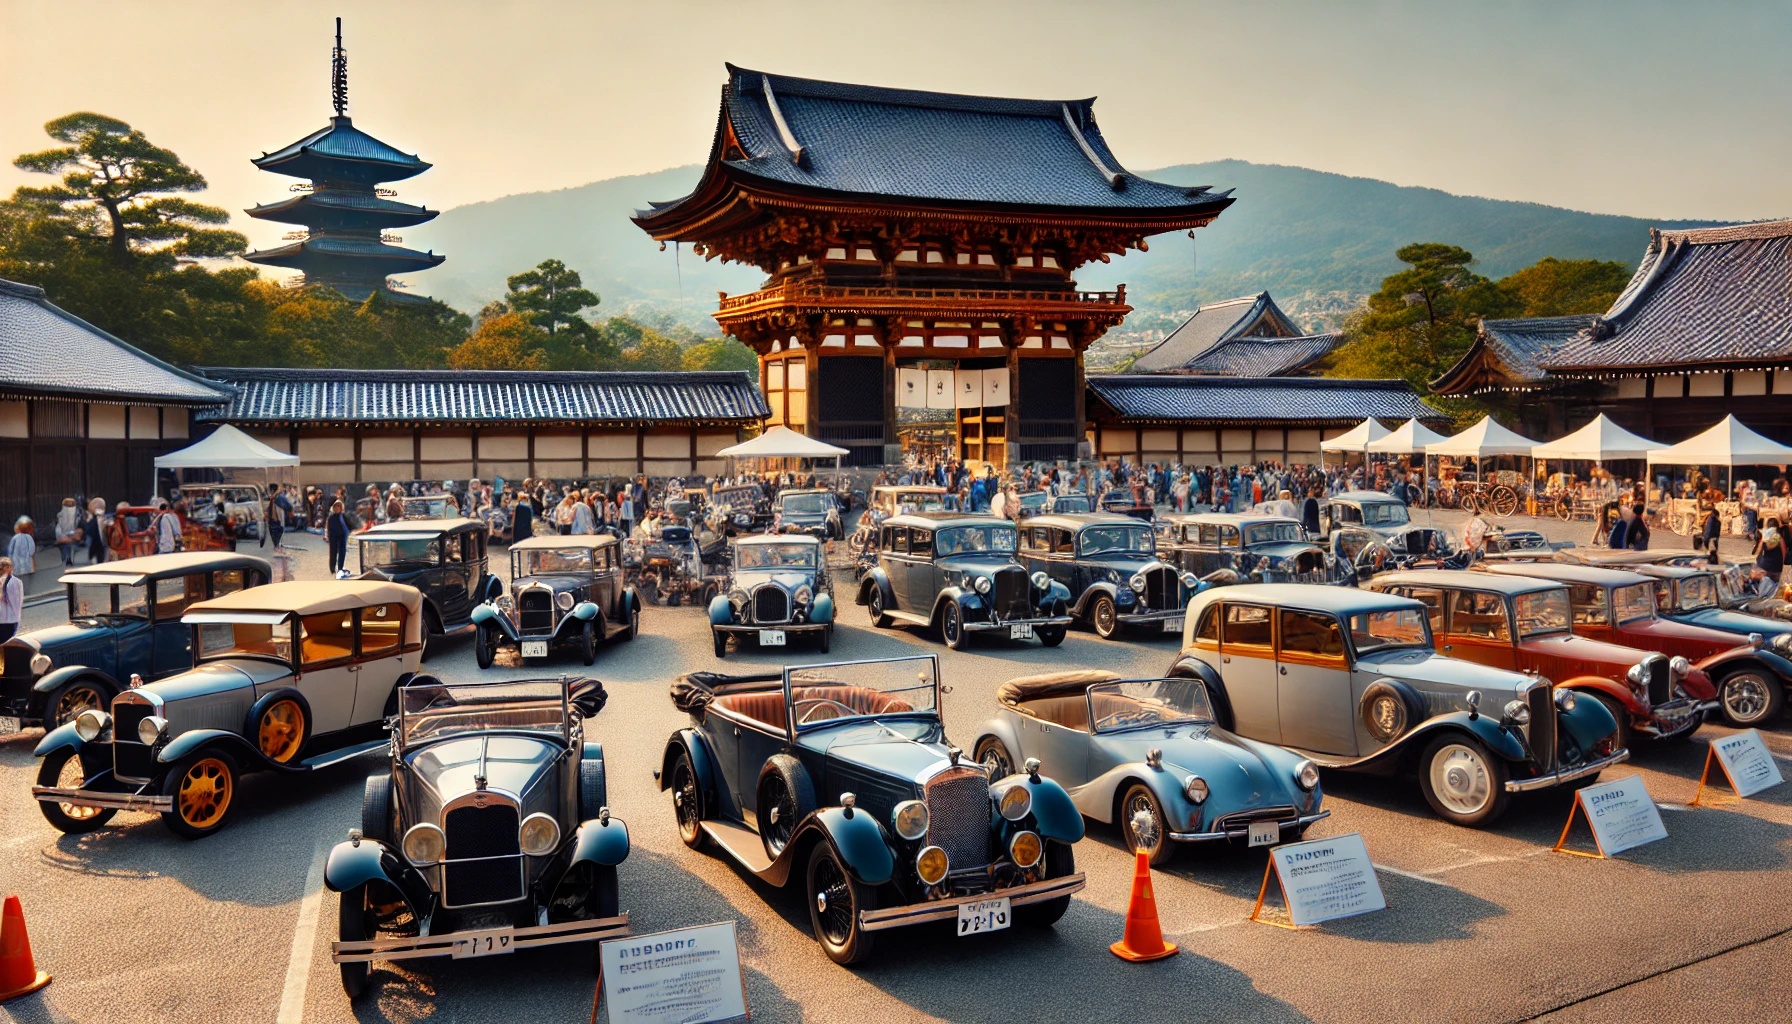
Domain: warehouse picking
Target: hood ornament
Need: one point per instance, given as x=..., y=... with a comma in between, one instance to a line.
x=955, y=753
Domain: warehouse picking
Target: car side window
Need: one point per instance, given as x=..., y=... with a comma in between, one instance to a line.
x=382, y=630
x=1474, y=613
x=1210, y=535
x=1247, y=625
x=896, y=540
x=1431, y=598
x=326, y=638
x=1311, y=633
x=472, y=545
x=227, y=581
x=1228, y=536
x=1063, y=541
x=452, y=549
x=920, y=542
x=1588, y=602
x=1208, y=629
x=174, y=595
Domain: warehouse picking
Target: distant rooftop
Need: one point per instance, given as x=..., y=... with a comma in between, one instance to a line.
x=1243, y=401
x=1248, y=315
x=48, y=352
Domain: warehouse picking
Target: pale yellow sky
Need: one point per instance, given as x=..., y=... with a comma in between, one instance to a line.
x=1670, y=110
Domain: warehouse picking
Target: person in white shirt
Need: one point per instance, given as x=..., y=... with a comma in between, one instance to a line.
x=167, y=529
x=12, y=600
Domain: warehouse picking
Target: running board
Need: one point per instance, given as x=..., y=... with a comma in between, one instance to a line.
x=909, y=617
x=741, y=843
x=345, y=754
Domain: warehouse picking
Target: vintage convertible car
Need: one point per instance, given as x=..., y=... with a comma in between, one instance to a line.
x=778, y=588
x=1521, y=623
x=1110, y=568
x=289, y=677
x=1259, y=548
x=490, y=831
x=841, y=775
x=959, y=572
x=1349, y=679
x=123, y=621
x=563, y=590
x=813, y=512
x=1122, y=748
x=443, y=558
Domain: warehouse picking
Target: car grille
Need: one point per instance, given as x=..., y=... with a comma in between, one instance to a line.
x=535, y=611
x=1161, y=589
x=958, y=816
x=1541, y=700
x=15, y=661
x=1661, y=685
x=770, y=604
x=481, y=832
x=130, y=759
x=1011, y=593
x=1241, y=820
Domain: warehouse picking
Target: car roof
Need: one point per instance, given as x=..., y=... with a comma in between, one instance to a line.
x=934, y=520
x=419, y=528
x=1361, y=496
x=1309, y=596
x=1568, y=572
x=1232, y=518
x=755, y=539
x=548, y=542
x=909, y=488
x=1464, y=579
x=1078, y=520
x=315, y=597
x=1675, y=572
x=156, y=567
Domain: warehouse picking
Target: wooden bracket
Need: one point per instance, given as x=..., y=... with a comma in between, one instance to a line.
x=1269, y=869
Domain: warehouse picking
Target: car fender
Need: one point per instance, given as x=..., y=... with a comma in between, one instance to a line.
x=351, y=864
x=631, y=601
x=1724, y=662
x=1189, y=666
x=69, y=673
x=702, y=762
x=600, y=841
x=881, y=580
x=492, y=588
x=1588, y=722
x=1626, y=698
x=490, y=615
x=721, y=610
x=571, y=624
x=247, y=754
x=967, y=601
x=1486, y=730
x=1081, y=605
x=1002, y=727
x=63, y=737
x=584, y=611
x=822, y=608
x=251, y=721
x=1056, y=592
x=858, y=839
x=1054, y=813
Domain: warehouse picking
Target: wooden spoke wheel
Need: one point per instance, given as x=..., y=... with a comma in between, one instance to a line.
x=69, y=700
x=62, y=769
x=280, y=731
x=203, y=788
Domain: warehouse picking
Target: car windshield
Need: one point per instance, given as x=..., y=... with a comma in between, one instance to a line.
x=134, y=600
x=546, y=561
x=244, y=640
x=810, y=503
x=1272, y=533
x=1698, y=592
x=1102, y=540
x=88, y=600
x=1385, y=513
x=1034, y=500
x=961, y=540
x=738, y=496
x=908, y=502
x=774, y=556
x=426, y=508
x=1636, y=601
x=439, y=710
x=828, y=693
x=1071, y=503
x=1147, y=703
x=1545, y=611
x=1390, y=629
x=375, y=551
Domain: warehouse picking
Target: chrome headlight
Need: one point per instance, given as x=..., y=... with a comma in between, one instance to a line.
x=1137, y=581
x=1041, y=582
x=1781, y=643
x=424, y=844
x=737, y=597
x=1680, y=666
x=1635, y=675
x=1518, y=712
x=1190, y=580
x=1755, y=639
x=1565, y=700
x=932, y=865
x=1195, y=788
x=539, y=834
x=1025, y=849
x=563, y=600
x=151, y=729
x=90, y=725
x=983, y=585
x=505, y=602
x=803, y=594
x=40, y=663
x=910, y=819
x=742, y=519
x=1306, y=775
x=1015, y=802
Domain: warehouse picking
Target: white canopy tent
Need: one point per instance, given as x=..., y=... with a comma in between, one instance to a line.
x=1409, y=438
x=1356, y=439
x=1729, y=443
x=226, y=448
x=1482, y=439
x=781, y=442
x=1599, y=441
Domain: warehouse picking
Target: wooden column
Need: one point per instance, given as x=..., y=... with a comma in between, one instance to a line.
x=1011, y=416
x=811, y=375
x=640, y=449
x=416, y=453
x=1080, y=401
x=891, y=435
x=693, y=449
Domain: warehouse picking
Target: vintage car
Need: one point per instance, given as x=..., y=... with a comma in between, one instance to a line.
x=123, y=621
x=1372, y=510
x=1740, y=586
x=959, y=573
x=1520, y=623
x=1109, y=566
x=841, y=776
x=777, y=588
x=1259, y=548
x=444, y=558
x=288, y=678
x=813, y=512
x=241, y=515
x=1349, y=679
x=1121, y=501
x=742, y=508
x=489, y=832
x=432, y=506
x=564, y=590
x=1070, y=504
x=885, y=502
x=1123, y=748
x=1028, y=504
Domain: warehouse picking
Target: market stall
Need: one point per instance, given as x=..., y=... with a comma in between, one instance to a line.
x=1497, y=490
x=1356, y=439
x=1598, y=443
x=225, y=478
x=1725, y=446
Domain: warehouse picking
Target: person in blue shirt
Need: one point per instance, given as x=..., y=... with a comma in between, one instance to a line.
x=522, y=519
x=1620, y=534
x=336, y=531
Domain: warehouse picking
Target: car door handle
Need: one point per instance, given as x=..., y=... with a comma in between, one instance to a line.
x=737, y=730
x=1282, y=669
x=1449, y=647
x=1225, y=659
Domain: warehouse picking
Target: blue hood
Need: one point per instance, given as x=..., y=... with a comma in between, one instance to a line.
x=70, y=643
x=1241, y=775
x=1740, y=623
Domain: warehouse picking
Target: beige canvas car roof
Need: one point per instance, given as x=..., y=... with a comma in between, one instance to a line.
x=551, y=541
x=157, y=566
x=420, y=526
x=1051, y=684
x=316, y=597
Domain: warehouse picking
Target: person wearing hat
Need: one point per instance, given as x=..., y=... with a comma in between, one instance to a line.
x=1772, y=549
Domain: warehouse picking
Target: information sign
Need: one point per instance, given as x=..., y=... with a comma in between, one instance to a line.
x=687, y=976
x=1621, y=814
x=1745, y=761
x=1324, y=879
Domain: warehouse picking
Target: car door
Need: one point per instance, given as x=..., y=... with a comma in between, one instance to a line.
x=606, y=586
x=894, y=560
x=327, y=669
x=925, y=576
x=171, y=649
x=1478, y=629
x=1059, y=743
x=1589, y=604
x=453, y=583
x=1248, y=667
x=1313, y=699
x=379, y=638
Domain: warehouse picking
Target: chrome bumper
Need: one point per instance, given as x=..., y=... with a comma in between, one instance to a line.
x=417, y=947
x=986, y=626
x=1556, y=778
x=1244, y=829
x=1691, y=717
x=94, y=798
x=1135, y=618
x=786, y=627
x=941, y=910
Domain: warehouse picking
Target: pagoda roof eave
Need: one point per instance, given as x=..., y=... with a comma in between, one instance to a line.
x=377, y=213
x=307, y=253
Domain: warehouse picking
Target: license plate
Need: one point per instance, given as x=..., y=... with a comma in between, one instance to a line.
x=8, y=726
x=474, y=944
x=535, y=648
x=771, y=638
x=1173, y=625
x=1264, y=833
x=1024, y=631
x=983, y=916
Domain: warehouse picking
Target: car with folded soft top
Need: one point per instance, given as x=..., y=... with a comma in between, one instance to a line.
x=1351, y=680
x=959, y=573
x=123, y=621
x=841, y=779
x=1110, y=567
x=565, y=591
x=777, y=589
x=489, y=830
x=286, y=678
x=446, y=559
x=1258, y=548
x=810, y=511
x=1128, y=747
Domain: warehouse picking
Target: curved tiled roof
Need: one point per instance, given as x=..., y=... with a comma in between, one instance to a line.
x=1256, y=315
x=340, y=142
x=1184, y=398
x=47, y=351
x=1263, y=357
x=333, y=204
x=1505, y=353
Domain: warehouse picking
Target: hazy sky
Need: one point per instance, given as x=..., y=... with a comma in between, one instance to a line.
x=1651, y=109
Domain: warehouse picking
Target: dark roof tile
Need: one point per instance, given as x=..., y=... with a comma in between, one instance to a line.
x=1263, y=357
x=1246, y=400
x=45, y=350
x=1212, y=324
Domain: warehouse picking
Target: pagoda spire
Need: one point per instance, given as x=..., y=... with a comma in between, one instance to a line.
x=339, y=74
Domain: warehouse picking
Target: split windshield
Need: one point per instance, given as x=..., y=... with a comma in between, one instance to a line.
x=805, y=503
x=1104, y=540
x=829, y=693
x=962, y=540
x=547, y=561
x=1636, y=601
x=1148, y=703
x=774, y=556
x=1385, y=513
x=440, y=710
x=1545, y=611
x=1272, y=533
x=376, y=552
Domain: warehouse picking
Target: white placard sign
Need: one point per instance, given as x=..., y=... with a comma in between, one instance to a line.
x=1747, y=762
x=1325, y=879
x=1622, y=814
x=687, y=976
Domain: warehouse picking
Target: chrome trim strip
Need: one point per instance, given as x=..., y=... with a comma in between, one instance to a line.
x=90, y=798
x=982, y=627
x=1240, y=833
x=1556, y=778
x=417, y=947
x=943, y=909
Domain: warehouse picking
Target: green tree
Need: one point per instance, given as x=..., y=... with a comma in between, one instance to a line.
x=721, y=354
x=502, y=341
x=553, y=298
x=1553, y=287
x=1422, y=318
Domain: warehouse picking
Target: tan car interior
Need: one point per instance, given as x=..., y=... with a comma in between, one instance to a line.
x=767, y=708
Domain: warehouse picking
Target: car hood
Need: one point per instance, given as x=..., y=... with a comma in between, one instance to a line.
x=1683, y=638
x=1282, y=549
x=1740, y=623
x=557, y=584
x=513, y=763
x=67, y=643
x=786, y=578
x=1237, y=773
x=1437, y=669
x=904, y=750
x=980, y=562
x=214, y=677
x=1563, y=656
x=1124, y=562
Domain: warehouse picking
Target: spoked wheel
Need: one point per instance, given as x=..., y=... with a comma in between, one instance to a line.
x=835, y=903
x=875, y=605
x=69, y=700
x=280, y=732
x=1505, y=501
x=687, y=801
x=1750, y=698
x=993, y=754
x=1104, y=617
x=1470, y=503
x=203, y=787
x=1462, y=782
x=786, y=797
x=485, y=646
x=62, y=769
x=588, y=642
x=952, y=627
x=1564, y=509
x=1140, y=800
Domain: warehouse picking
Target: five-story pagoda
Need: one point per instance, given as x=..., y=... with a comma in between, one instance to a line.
x=343, y=211
x=917, y=244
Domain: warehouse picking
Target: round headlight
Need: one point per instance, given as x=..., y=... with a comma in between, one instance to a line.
x=1306, y=775
x=931, y=864
x=1782, y=642
x=91, y=724
x=1565, y=700
x=742, y=519
x=1679, y=665
x=505, y=602
x=1518, y=712
x=1755, y=639
x=737, y=597
x=983, y=585
x=424, y=845
x=1190, y=580
x=150, y=730
x=1015, y=802
x=910, y=819
x=40, y=663
x=804, y=593
x=539, y=834
x=1195, y=788
x=1025, y=849
x=563, y=600
x=1635, y=675
x=1137, y=581
x=1041, y=581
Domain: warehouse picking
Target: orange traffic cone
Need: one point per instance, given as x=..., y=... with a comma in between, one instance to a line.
x=1144, y=938
x=18, y=972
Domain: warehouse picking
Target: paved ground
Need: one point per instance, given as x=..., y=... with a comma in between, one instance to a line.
x=1481, y=926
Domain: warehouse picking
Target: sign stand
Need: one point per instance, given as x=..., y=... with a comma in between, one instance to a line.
x=1321, y=880
x=1269, y=869
x=1746, y=764
x=1620, y=814
x=1717, y=800
x=693, y=974
x=1560, y=846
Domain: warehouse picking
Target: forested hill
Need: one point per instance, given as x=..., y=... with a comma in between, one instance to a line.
x=1317, y=241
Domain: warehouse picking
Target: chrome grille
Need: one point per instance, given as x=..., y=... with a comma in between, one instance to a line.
x=16, y=660
x=535, y=611
x=130, y=759
x=1161, y=589
x=1661, y=685
x=958, y=816
x=1541, y=700
x=1240, y=821
x=770, y=604
x=483, y=859
x=1011, y=592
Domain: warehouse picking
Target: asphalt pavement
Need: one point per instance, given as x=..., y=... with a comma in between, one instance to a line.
x=138, y=925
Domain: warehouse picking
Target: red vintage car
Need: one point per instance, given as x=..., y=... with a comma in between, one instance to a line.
x=1512, y=622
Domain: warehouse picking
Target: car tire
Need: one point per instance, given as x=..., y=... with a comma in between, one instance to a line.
x=588, y=642
x=1104, y=617
x=826, y=642
x=992, y=754
x=1750, y=697
x=432, y=631
x=1060, y=860
x=1139, y=798
x=54, y=771
x=1626, y=733
x=485, y=646
x=352, y=926
x=786, y=798
x=1462, y=781
x=1050, y=636
x=633, y=629
x=721, y=640
x=594, y=790
x=274, y=722
x=376, y=809
x=874, y=603
x=952, y=629
x=837, y=928
x=203, y=787
x=687, y=800
x=62, y=704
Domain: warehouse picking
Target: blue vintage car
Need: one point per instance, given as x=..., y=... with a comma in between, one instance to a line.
x=1689, y=594
x=123, y=621
x=840, y=778
x=1151, y=746
x=1110, y=567
x=777, y=588
x=1257, y=547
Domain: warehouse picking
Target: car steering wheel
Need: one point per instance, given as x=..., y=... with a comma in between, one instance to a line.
x=822, y=704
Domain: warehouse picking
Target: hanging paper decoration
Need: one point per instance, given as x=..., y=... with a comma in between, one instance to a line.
x=911, y=387
x=940, y=388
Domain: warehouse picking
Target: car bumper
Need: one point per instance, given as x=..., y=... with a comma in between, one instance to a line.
x=947, y=909
x=789, y=627
x=1243, y=829
x=1147, y=618
x=1678, y=719
x=986, y=626
x=155, y=804
x=417, y=947
x=1560, y=776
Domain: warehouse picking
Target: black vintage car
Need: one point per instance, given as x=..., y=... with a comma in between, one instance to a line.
x=1069, y=504
x=1109, y=565
x=444, y=558
x=959, y=573
x=840, y=778
x=742, y=508
x=489, y=832
x=1258, y=548
x=563, y=590
x=813, y=512
x=778, y=587
x=1122, y=501
x=123, y=621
